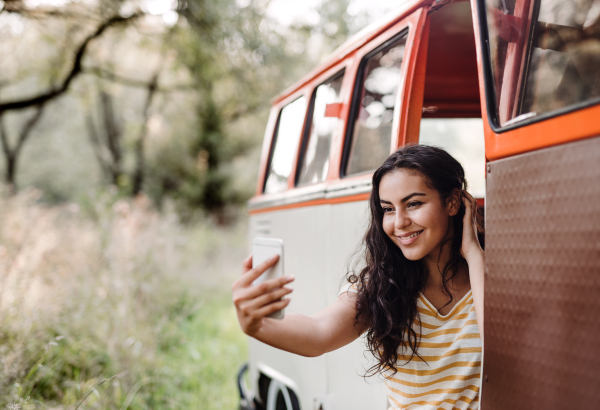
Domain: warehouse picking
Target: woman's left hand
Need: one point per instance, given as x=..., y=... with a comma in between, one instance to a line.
x=470, y=244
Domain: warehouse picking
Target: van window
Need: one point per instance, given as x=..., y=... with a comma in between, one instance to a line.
x=463, y=139
x=285, y=145
x=315, y=159
x=545, y=55
x=375, y=109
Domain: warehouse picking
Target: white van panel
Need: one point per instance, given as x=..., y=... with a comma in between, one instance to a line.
x=318, y=242
x=347, y=365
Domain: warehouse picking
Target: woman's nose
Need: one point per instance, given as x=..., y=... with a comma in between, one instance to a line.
x=401, y=221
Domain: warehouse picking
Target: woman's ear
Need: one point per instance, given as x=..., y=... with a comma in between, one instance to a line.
x=454, y=202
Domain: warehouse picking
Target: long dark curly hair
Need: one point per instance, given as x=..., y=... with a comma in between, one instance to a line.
x=390, y=284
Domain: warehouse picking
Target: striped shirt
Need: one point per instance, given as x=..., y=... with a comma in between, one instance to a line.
x=447, y=376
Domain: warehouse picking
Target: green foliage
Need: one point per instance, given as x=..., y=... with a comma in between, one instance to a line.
x=128, y=295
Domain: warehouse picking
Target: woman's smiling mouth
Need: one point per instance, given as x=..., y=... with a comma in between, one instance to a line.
x=409, y=238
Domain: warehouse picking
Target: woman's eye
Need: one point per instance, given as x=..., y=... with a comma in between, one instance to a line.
x=387, y=209
x=413, y=204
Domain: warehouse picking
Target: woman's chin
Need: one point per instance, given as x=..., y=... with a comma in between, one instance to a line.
x=412, y=254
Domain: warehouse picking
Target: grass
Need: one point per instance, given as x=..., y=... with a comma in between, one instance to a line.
x=110, y=305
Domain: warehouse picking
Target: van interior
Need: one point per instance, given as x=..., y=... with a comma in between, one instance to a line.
x=451, y=117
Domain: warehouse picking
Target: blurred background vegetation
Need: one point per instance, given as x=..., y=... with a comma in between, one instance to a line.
x=130, y=135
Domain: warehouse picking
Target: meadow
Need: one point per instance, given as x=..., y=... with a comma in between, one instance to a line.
x=109, y=304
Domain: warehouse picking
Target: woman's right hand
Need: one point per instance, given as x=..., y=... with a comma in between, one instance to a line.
x=254, y=302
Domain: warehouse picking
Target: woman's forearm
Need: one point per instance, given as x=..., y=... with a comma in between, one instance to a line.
x=294, y=333
x=476, y=263
x=311, y=336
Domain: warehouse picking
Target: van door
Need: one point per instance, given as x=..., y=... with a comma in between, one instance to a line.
x=540, y=68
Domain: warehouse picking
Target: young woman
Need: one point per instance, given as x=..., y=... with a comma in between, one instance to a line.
x=419, y=298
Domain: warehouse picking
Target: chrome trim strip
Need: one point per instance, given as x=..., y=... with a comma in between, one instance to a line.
x=345, y=188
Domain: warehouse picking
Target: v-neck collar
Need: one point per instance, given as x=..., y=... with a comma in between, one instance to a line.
x=430, y=306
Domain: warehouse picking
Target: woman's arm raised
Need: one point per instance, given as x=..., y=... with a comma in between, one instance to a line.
x=474, y=255
x=330, y=329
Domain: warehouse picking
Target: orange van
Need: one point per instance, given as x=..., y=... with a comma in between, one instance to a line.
x=511, y=88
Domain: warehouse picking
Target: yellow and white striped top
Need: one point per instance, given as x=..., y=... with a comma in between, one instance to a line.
x=448, y=375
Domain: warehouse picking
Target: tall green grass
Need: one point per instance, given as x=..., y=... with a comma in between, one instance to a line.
x=110, y=305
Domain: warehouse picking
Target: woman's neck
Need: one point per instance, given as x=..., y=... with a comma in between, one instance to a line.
x=436, y=262
x=438, y=258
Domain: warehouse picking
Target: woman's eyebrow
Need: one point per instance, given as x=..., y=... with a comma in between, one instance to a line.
x=406, y=198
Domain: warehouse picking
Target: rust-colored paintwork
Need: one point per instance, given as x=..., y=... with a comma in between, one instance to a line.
x=542, y=310
x=412, y=123
x=409, y=93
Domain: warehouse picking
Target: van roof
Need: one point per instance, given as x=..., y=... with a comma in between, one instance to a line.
x=356, y=41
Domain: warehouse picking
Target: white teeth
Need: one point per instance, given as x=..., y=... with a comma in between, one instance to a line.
x=412, y=236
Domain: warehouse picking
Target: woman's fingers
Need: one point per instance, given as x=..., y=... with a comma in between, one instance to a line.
x=270, y=297
x=267, y=286
x=247, y=264
x=470, y=243
x=249, y=276
x=253, y=303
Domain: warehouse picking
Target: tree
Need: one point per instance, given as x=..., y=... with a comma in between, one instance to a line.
x=238, y=60
x=59, y=88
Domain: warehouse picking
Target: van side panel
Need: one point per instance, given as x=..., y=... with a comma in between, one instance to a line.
x=305, y=236
x=542, y=330
x=318, y=241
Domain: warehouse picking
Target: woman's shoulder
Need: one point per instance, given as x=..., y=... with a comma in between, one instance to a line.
x=350, y=288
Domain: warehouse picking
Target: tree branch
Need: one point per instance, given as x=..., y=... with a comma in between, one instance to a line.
x=75, y=70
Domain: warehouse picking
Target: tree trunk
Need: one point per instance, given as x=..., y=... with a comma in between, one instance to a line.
x=11, y=166
x=11, y=155
x=138, y=175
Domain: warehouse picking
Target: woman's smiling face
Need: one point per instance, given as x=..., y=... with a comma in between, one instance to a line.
x=414, y=216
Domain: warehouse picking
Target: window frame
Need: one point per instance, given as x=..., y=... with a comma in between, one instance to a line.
x=357, y=92
x=307, y=129
x=489, y=88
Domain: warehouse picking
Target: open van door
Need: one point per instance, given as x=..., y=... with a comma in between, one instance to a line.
x=539, y=65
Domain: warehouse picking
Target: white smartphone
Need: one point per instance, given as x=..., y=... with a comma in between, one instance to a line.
x=263, y=249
